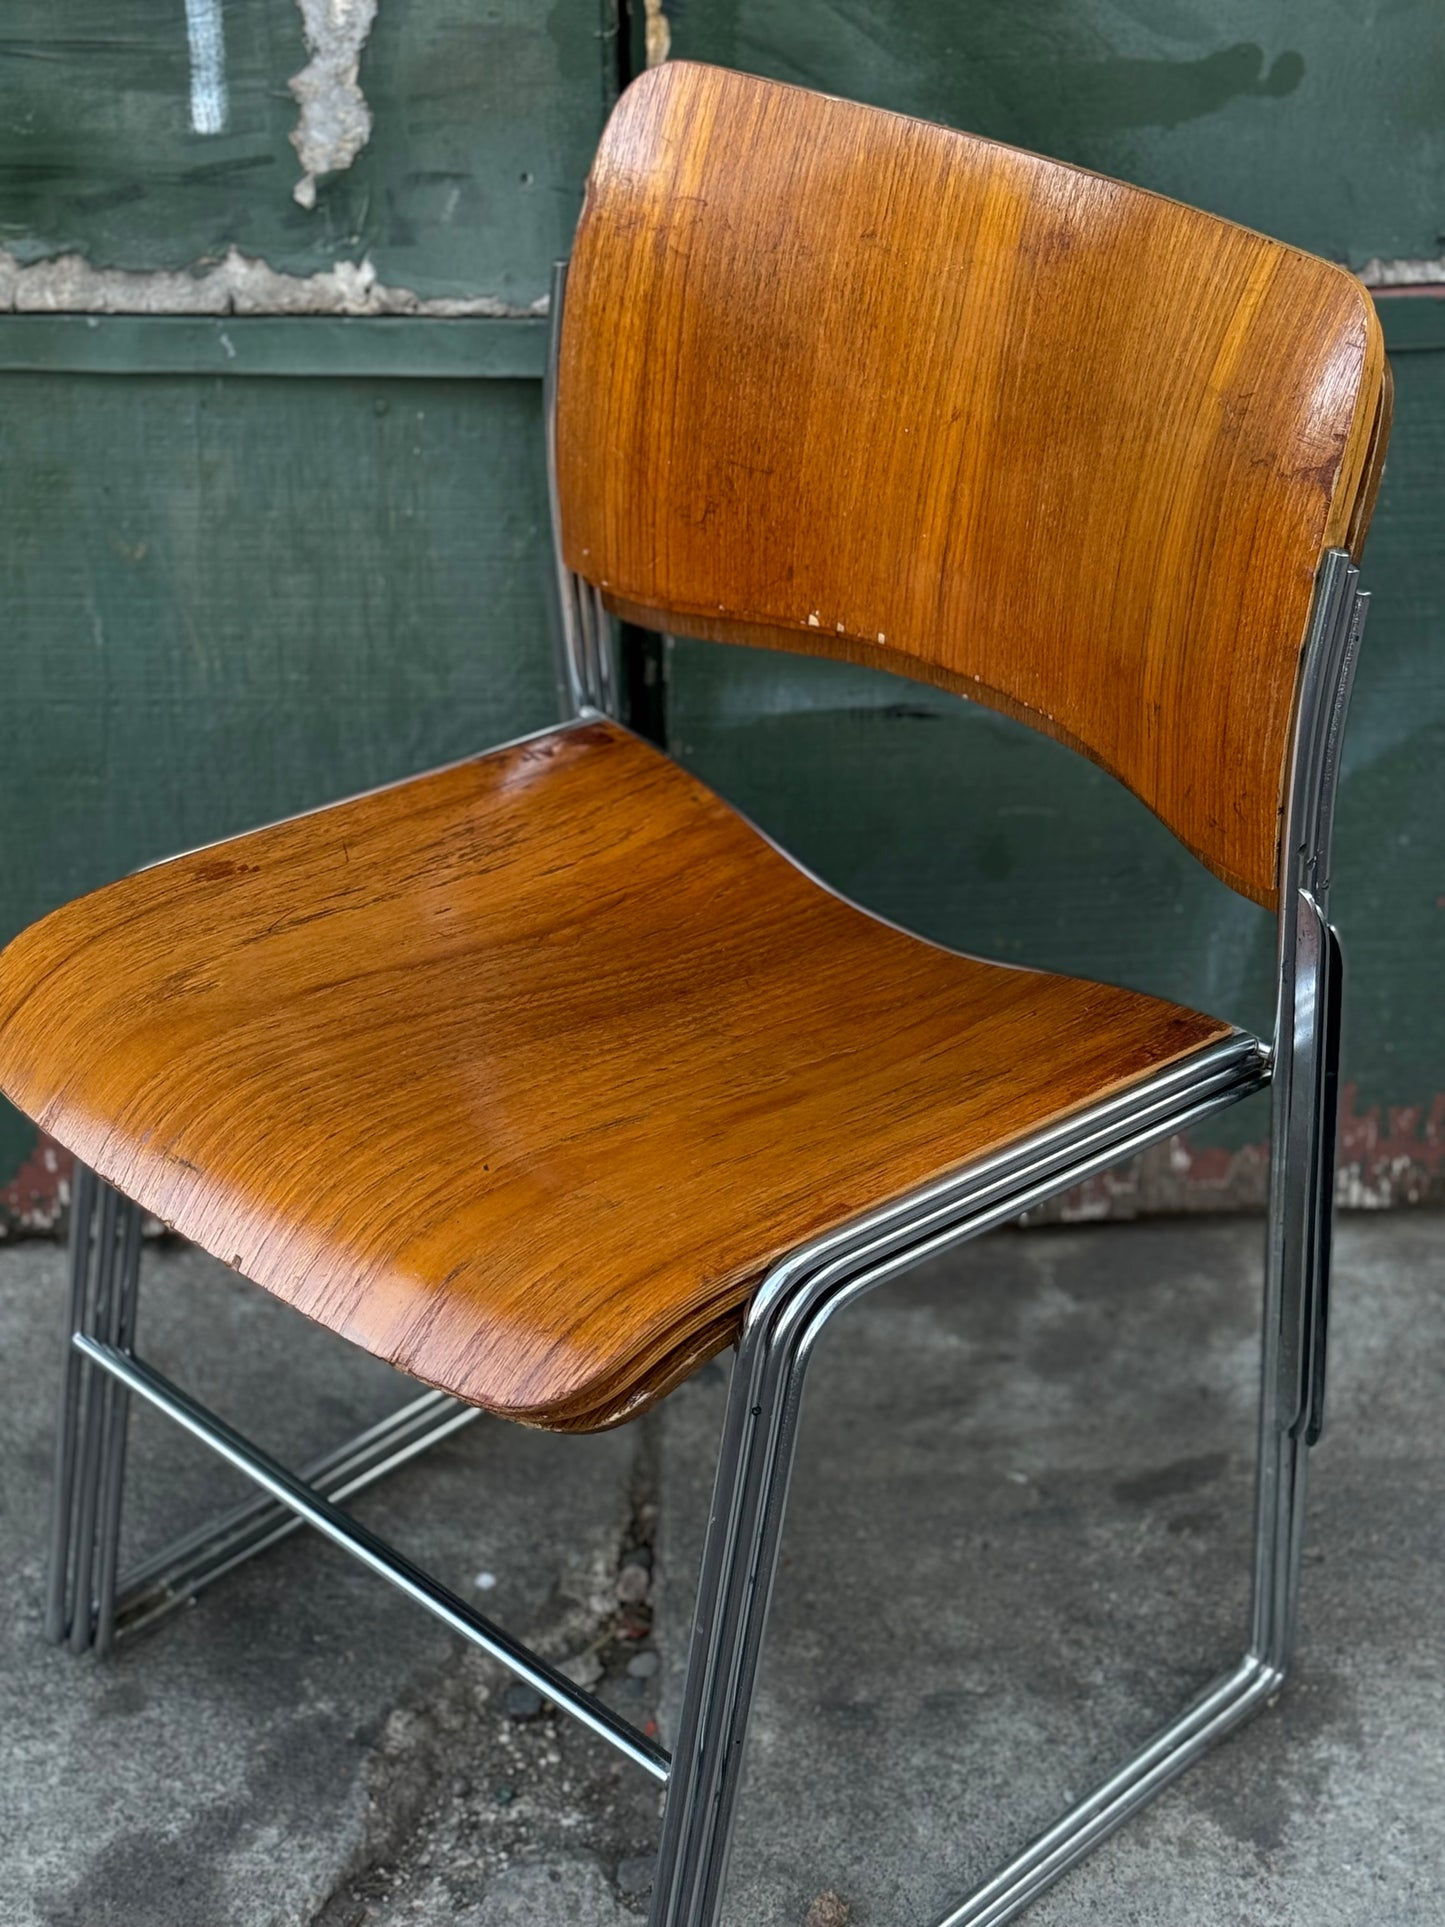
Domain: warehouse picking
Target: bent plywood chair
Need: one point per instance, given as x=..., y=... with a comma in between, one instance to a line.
x=545, y=1077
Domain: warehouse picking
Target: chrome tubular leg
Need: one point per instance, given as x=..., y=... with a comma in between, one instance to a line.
x=1296, y=1288
x=734, y=1589
x=121, y=1333
x=67, y=1440
x=92, y=1413
x=105, y=1263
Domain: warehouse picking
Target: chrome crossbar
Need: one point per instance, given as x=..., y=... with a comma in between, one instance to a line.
x=1227, y=1703
x=173, y=1577
x=373, y=1552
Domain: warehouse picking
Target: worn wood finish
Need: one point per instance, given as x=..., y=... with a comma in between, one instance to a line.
x=521, y=1072
x=837, y=380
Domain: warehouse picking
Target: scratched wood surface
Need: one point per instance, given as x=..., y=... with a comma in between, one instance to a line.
x=859, y=385
x=520, y=1073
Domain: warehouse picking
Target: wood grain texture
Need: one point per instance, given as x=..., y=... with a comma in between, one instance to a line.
x=520, y=1073
x=840, y=381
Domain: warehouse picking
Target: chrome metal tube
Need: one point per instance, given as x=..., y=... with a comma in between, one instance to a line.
x=1302, y=1131
x=576, y=686
x=1226, y=1704
x=374, y=1553
x=57, y=1590
x=173, y=1576
x=794, y=1305
x=93, y=1428
x=120, y=1332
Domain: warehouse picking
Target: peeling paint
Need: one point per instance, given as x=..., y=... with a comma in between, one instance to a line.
x=1379, y=273
x=1387, y=1156
x=236, y=284
x=1390, y=1155
x=36, y=1199
x=335, y=120
x=657, y=34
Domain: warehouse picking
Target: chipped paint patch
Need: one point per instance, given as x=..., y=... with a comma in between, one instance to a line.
x=1379, y=273
x=236, y=284
x=36, y=1199
x=335, y=121
x=657, y=33
x=1392, y=1154
x=1387, y=1156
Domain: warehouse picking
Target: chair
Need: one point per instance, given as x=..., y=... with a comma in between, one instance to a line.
x=832, y=380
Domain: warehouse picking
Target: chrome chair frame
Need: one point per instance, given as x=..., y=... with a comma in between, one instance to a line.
x=89, y=1605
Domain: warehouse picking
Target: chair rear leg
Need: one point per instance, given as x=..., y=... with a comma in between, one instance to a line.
x=90, y=1436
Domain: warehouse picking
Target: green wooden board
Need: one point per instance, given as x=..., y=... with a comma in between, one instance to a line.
x=484, y=120
x=1321, y=122
x=228, y=600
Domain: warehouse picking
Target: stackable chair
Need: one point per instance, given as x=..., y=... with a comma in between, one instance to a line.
x=546, y=1077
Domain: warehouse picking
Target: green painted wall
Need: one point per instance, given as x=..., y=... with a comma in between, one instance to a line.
x=485, y=115
x=250, y=563
x=1320, y=121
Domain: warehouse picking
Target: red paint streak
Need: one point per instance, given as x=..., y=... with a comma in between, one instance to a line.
x=1402, y=1150
x=36, y=1197
x=1385, y=1156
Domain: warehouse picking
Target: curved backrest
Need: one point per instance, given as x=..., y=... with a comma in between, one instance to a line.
x=837, y=380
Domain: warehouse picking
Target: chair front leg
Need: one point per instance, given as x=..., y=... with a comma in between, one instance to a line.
x=91, y=1433
x=735, y=1585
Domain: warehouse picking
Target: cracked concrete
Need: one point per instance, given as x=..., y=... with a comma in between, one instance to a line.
x=1015, y=1544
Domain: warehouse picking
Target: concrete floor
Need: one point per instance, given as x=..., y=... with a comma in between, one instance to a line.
x=1016, y=1544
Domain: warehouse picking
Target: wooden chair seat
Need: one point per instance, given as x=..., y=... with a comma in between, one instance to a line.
x=520, y=1073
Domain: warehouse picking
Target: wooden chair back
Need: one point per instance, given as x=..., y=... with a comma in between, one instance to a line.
x=836, y=380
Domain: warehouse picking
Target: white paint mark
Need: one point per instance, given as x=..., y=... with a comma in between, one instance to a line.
x=207, y=35
x=228, y=345
x=485, y=1581
x=1403, y=273
x=881, y=636
x=236, y=284
x=657, y=33
x=813, y=619
x=335, y=121
x=839, y=627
